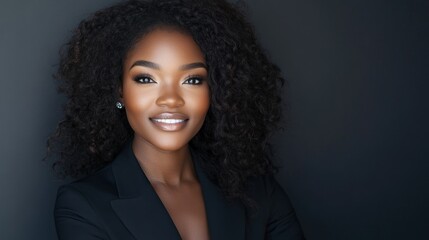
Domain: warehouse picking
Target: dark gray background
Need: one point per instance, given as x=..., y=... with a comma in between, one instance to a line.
x=355, y=154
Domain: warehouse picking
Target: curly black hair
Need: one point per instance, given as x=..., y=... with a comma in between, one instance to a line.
x=245, y=88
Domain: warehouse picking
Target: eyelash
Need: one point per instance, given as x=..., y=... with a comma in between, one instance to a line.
x=190, y=77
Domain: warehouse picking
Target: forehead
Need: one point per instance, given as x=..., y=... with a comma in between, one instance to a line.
x=165, y=46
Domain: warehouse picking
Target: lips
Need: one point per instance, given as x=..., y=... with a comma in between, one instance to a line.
x=169, y=121
x=167, y=115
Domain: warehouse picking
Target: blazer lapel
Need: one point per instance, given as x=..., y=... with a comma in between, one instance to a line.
x=144, y=215
x=138, y=206
x=226, y=220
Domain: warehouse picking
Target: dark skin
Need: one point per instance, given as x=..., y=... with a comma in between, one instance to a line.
x=165, y=72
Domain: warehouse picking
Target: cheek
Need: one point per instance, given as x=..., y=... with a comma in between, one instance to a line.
x=137, y=104
x=134, y=96
x=201, y=102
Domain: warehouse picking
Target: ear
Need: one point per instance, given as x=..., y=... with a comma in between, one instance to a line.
x=120, y=92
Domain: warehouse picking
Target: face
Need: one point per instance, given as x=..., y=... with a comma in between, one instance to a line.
x=165, y=89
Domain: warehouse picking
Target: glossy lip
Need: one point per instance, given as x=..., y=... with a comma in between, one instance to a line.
x=169, y=115
x=170, y=126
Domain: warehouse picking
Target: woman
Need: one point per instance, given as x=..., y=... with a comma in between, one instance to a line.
x=170, y=106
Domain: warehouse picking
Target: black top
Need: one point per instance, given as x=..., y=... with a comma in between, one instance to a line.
x=118, y=202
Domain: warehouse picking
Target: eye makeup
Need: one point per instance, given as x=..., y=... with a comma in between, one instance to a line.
x=144, y=78
x=197, y=78
x=147, y=78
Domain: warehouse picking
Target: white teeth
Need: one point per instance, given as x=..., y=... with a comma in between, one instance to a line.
x=170, y=121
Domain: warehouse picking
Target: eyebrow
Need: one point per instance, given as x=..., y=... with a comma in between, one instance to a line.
x=153, y=65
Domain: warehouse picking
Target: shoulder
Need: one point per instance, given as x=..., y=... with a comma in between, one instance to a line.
x=275, y=205
x=78, y=204
x=96, y=184
x=101, y=180
x=266, y=191
x=81, y=191
x=85, y=192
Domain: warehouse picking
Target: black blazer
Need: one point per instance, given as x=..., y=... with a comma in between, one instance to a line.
x=118, y=202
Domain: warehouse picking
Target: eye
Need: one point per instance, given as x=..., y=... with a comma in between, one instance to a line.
x=194, y=80
x=144, y=79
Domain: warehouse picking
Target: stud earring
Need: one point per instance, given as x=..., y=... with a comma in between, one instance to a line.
x=119, y=105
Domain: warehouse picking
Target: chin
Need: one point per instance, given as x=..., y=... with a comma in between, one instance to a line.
x=170, y=145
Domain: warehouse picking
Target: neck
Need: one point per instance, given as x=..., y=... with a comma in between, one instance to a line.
x=161, y=166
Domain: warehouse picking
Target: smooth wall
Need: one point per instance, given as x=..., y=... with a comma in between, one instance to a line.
x=355, y=150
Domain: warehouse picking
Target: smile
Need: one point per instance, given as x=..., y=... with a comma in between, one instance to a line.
x=168, y=120
x=165, y=124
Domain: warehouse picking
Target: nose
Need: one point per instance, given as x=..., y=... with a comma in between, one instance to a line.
x=170, y=97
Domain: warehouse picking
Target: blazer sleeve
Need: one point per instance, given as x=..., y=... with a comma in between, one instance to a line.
x=74, y=216
x=282, y=221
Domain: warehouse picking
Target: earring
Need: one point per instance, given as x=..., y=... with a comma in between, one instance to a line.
x=119, y=105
